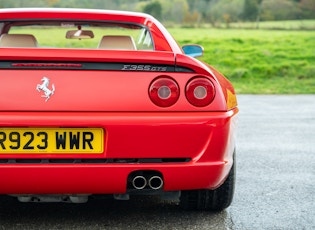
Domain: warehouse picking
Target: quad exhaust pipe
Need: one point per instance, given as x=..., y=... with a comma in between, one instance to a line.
x=139, y=182
x=154, y=182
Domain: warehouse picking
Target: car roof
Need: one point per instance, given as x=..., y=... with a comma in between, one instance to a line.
x=72, y=10
x=74, y=13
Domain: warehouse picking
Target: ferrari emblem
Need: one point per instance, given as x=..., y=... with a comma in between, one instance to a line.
x=45, y=88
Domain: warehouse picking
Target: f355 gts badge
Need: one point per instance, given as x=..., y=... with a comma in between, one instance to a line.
x=45, y=88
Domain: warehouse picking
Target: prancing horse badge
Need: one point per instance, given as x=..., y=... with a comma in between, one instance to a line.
x=44, y=87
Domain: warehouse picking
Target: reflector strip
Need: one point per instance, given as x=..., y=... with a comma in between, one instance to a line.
x=54, y=65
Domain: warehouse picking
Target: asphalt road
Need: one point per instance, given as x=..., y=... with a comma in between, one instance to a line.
x=274, y=187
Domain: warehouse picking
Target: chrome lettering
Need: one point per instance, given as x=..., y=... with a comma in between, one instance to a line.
x=126, y=67
x=145, y=68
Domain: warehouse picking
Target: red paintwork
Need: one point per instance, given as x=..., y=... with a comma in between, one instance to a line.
x=207, y=138
x=118, y=102
x=99, y=91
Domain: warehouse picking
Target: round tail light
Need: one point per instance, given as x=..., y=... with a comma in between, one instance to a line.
x=200, y=91
x=164, y=91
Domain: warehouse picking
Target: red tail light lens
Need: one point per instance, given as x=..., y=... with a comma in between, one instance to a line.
x=200, y=91
x=164, y=91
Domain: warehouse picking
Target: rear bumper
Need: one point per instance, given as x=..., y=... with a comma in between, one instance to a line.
x=109, y=179
x=206, y=139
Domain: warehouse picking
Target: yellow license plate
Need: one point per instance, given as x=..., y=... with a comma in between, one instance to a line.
x=51, y=140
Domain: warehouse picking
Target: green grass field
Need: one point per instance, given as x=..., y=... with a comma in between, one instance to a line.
x=258, y=61
x=276, y=25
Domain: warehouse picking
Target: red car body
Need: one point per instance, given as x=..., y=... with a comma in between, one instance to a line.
x=104, y=100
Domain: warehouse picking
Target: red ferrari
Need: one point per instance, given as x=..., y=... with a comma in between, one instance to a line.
x=97, y=102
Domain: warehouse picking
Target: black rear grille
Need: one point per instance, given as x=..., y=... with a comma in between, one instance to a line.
x=95, y=161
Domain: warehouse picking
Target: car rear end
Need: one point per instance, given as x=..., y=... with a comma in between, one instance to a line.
x=78, y=122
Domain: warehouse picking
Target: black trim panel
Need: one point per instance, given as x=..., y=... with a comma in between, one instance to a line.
x=133, y=67
x=95, y=161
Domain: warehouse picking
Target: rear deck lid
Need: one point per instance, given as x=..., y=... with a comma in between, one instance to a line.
x=79, y=80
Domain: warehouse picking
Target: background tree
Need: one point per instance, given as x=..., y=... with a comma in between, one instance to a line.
x=154, y=8
x=260, y=2
x=308, y=8
x=250, y=10
x=279, y=10
x=222, y=10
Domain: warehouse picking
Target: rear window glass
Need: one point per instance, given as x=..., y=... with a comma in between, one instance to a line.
x=80, y=35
